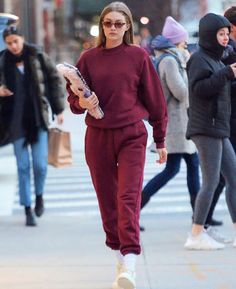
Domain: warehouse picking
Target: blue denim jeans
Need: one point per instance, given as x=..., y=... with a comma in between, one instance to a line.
x=171, y=169
x=39, y=152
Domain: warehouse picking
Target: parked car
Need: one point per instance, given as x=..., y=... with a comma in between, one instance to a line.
x=6, y=20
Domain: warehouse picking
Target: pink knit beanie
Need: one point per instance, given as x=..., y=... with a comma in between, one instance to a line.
x=174, y=31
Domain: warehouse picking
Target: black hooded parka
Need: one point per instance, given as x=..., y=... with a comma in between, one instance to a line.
x=209, y=83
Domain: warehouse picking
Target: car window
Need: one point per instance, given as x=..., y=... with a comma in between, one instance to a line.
x=2, y=43
x=6, y=20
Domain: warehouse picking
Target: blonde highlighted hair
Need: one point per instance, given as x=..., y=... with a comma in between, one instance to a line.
x=124, y=10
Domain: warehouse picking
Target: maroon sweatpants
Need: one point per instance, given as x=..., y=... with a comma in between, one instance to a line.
x=116, y=161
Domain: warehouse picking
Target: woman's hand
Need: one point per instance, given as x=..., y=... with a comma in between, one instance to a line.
x=162, y=155
x=5, y=91
x=89, y=102
x=60, y=118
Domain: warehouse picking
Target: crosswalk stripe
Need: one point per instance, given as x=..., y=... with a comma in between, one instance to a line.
x=69, y=191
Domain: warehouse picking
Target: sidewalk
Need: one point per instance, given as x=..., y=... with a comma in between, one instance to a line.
x=69, y=253
x=8, y=180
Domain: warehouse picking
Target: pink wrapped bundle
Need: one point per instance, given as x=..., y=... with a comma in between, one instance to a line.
x=77, y=82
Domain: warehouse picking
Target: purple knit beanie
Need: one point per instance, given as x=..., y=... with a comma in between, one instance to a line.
x=174, y=31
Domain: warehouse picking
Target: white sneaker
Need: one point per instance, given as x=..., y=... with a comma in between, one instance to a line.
x=234, y=243
x=202, y=242
x=119, y=270
x=216, y=235
x=126, y=280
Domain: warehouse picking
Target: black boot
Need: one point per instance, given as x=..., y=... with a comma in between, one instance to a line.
x=142, y=228
x=214, y=222
x=30, y=219
x=39, y=206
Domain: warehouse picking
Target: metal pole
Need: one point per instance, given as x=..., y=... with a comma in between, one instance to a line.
x=25, y=19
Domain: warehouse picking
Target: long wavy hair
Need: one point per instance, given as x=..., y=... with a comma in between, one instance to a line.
x=124, y=10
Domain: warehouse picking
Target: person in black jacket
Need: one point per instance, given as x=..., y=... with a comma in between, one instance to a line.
x=209, y=124
x=230, y=14
x=29, y=82
x=229, y=57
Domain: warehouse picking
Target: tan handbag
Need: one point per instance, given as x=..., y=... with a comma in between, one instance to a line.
x=59, y=148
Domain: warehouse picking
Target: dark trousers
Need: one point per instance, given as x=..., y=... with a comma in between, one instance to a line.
x=116, y=161
x=171, y=169
x=216, y=156
x=219, y=188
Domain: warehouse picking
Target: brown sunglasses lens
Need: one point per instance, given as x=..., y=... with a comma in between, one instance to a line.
x=109, y=24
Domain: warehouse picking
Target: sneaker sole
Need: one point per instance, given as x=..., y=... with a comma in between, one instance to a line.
x=125, y=283
x=203, y=249
x=228, y=241
x=115, y=286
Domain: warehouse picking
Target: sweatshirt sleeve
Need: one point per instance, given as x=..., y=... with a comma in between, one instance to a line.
x=74, y=101
x=152, y=97
x=203, y=81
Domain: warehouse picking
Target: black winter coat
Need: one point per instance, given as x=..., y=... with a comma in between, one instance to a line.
x=209, y=83
x=48, y=86
x=231, y=58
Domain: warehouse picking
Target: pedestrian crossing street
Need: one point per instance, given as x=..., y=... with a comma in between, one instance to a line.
x=69, y=191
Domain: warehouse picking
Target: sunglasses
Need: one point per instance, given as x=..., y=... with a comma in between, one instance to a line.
x=109, y=24
x=10, y=30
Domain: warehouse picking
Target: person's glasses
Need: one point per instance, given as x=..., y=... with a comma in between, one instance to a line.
x=109, y=24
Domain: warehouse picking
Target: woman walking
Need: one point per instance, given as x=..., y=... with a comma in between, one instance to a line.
x=209, y=124
x=171, y=55
x=128, y=90
x=29, y=83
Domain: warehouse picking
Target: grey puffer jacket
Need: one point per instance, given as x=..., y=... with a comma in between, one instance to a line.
x=175, y=86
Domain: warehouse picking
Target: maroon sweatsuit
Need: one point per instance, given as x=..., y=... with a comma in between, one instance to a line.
x=128, y=90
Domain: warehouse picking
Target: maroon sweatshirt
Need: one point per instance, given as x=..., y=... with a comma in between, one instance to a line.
x=127, y=86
